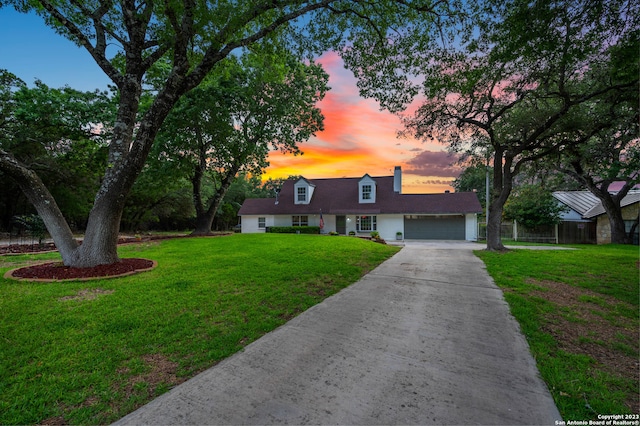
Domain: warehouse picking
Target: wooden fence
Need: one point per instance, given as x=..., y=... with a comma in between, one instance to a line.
x=564, y=233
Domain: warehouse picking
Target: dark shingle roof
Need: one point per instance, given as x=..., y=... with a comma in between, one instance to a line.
x=340, y=196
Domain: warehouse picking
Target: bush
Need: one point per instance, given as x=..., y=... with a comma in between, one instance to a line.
x=294, y=229
x=32, y=224
x=533, y=206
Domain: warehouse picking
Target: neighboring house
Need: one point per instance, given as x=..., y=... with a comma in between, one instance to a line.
x=363, y=205
x=630, y=210
x=575, y=228
x=587, y=222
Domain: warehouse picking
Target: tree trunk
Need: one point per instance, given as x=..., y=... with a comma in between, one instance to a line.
x=203, y=216
x=46, y=206
x=502, y=184
x=611, y=204
x=100, y=244
x=618, y=233
x=612, y=207
x=101, y=237
x=204, y=219
x=203, y=224
x=494, y=241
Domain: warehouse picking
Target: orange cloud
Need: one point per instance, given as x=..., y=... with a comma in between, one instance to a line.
x=414, y=184
x=358, y=139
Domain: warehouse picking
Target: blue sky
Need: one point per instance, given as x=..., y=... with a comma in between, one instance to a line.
x=358, y=137
x=31, y=50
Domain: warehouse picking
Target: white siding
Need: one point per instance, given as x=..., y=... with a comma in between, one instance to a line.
x=389, y=224
x=250, y=223
x=471, y=227
x=329, y=223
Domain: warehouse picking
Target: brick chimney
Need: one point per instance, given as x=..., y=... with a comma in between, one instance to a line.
x=397, y=180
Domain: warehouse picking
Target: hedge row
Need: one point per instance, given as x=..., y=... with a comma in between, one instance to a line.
x=294, y=229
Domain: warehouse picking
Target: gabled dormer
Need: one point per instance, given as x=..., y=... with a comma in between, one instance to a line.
x=366, y=190
x=302, y=191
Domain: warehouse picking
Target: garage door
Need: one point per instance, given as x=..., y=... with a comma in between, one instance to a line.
x=434, y=227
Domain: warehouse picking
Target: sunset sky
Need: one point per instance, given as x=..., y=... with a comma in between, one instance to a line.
x=358, y=137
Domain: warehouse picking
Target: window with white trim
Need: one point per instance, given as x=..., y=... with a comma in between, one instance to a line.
x=262, y=222
x=302, y=194
x=366, y=192
x=299, y=220
x=366, y=223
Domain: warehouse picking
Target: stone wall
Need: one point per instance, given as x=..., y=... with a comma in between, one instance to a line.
x=603, y=228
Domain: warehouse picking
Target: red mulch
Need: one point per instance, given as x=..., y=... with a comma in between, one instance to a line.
x=39, y=248
x=57, y=271
x=27, y=248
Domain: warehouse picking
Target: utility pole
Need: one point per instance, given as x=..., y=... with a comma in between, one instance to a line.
x=486, y=199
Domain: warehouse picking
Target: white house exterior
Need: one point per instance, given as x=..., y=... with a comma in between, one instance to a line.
x=363, y=205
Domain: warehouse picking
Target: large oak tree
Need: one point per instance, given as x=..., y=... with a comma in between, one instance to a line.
x=129, y=39
x=510, y=85
x=54, y=132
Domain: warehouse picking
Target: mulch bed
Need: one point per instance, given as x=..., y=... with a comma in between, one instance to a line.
x=57, y=271
x=27, y=248
x=44, y=247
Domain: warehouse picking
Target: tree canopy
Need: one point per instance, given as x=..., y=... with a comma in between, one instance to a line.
x=262, y=101
x=57, y=133
x=533, y=206
x=179, y=44
x=513, y=84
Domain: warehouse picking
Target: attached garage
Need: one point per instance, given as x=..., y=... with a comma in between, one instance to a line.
x=440, y=227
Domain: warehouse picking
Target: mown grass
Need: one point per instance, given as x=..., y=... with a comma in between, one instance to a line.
x=579, y=312
x=90, y=352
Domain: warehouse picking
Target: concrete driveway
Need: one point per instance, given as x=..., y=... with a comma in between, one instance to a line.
x=425, y=338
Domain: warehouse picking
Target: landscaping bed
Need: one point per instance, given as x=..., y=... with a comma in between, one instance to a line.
x=58, y=271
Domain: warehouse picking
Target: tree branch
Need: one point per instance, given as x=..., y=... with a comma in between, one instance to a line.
x=98, y=55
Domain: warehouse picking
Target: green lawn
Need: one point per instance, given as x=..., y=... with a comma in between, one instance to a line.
x=579, y=312
x=90, y=352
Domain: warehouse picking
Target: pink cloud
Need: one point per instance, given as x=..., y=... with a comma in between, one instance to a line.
x=358, y=139
x=434, y=163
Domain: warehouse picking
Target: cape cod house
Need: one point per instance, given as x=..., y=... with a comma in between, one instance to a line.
x=363, y=205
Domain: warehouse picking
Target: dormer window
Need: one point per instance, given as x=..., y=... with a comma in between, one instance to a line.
x=303, y=191
x=302, y=194
x=367, y=190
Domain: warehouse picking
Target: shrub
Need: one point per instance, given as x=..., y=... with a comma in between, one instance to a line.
x=533, y=206
x=33, y=224
x=294, y=229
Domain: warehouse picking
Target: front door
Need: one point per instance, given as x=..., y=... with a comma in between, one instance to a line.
x=341, y=225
